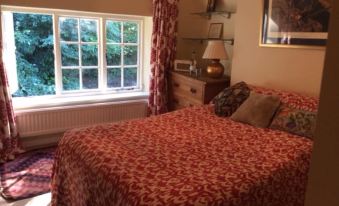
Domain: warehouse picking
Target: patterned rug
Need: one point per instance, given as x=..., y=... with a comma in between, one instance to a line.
x=28, y=175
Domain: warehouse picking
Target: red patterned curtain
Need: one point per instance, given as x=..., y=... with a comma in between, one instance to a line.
x=9, y=145
x=165, y=16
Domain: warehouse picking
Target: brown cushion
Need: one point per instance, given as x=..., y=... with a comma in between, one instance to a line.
x=295, y=121
x=228, y=101
x=257, y=110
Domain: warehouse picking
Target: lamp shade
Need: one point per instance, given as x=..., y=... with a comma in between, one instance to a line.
x=215, y=50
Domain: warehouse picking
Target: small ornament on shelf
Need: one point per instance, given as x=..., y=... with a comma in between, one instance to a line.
x=193, y=67
x=211, y=5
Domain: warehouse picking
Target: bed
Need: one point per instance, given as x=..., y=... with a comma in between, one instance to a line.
x=187, y=157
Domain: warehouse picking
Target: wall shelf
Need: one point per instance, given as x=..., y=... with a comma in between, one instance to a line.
x=229, y=41
x=226, y=14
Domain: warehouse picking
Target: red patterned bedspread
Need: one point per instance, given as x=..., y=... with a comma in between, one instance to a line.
x=188, y=157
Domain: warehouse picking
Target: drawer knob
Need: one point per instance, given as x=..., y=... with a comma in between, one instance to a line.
x=193, y=91
x=176, y=84
x=175, y=101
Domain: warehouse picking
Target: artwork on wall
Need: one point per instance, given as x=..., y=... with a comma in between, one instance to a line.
x=215, y=30
x=295, y=23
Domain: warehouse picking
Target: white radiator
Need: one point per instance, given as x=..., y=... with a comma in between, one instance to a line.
x=50, y=121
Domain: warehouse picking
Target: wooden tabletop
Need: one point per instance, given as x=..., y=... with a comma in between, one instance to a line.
x=203, y=77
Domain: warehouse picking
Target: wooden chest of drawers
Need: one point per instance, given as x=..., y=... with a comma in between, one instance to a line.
x=186, y=90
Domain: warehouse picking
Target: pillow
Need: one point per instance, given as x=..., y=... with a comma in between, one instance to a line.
x=257, y=110
x=291, y=99
x=227, y=101
x=295, y=121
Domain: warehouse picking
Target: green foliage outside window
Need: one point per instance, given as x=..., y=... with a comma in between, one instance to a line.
x=35, y=53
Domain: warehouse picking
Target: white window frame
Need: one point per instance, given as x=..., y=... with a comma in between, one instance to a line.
x=123, y=44
x=80, y=67
x=102, y=67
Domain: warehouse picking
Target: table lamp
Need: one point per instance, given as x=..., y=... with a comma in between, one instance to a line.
x=215, y=51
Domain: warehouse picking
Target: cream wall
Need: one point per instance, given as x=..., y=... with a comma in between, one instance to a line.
x=135, y=7
x=297, y=70
x=196, y=26
x=190, y=26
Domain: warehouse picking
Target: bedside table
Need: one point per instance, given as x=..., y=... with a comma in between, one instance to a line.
x=186, y=90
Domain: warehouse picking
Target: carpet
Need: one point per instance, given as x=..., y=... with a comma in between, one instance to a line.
x=28, y=175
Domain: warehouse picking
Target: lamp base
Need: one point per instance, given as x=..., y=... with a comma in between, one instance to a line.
x=215, y=69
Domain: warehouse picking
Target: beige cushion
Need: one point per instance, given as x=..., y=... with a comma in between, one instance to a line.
x=257, y=110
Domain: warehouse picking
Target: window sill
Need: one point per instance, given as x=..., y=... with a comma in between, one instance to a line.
x=30, y=104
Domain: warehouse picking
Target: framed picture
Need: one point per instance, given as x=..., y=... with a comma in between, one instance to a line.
x=215, y=31
x=182, y=65
x=295, y=23
x=211, y=5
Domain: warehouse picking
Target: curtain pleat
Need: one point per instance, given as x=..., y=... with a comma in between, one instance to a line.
x=165, y=20
x=9, y=137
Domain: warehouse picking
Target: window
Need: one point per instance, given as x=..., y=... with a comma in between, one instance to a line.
x=61, y=53
x=122, y=54
x=79, y=45
x=33, y=57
